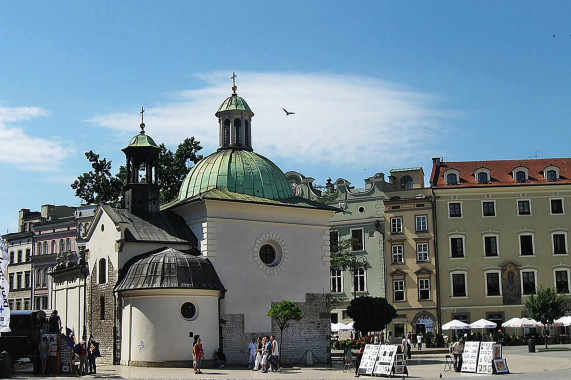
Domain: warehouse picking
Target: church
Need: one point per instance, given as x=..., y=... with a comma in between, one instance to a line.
x=210, y=263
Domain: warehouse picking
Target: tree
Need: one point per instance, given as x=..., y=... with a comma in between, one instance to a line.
x=546, y=306
x=344, y=257
x=283, y=313
x=370, y=313
x=99, y=185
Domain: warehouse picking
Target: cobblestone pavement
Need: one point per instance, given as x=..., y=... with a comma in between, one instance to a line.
x=553, y=365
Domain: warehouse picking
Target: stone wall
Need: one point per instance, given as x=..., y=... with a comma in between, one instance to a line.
x=103, y=329
x=310, y=336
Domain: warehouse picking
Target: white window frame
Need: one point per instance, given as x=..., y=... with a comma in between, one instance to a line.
x=396, y=225
x=362, y=239
x=420, y=280
x=532, y=243
x=562, y=206
x=517, y=207
x=419, y=251
x=359, y=274
x=564, y=233
x=418, y=218
x=551, y=167
x=463, y=246
x=495, y=209
x=523, y=169
x=336, y=276
x=499, y=274
x=465, y=274
x=403, y=290
x=497, y=245
x=521, y=272
x=451, y=171
x=482, y=170
x=568, y=271
x=461, y=210
x=395, y=252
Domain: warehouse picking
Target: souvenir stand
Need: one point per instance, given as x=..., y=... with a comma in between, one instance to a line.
x=382, y=360
x=484, y=358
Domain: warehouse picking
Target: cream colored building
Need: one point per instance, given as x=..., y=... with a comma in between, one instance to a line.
x=410, y=255
x=502, y=231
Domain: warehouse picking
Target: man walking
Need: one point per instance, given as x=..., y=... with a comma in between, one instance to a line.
x=82, y=352
x=274, y=360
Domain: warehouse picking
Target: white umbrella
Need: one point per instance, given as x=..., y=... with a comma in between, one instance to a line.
x=514, y=322
x=347, y=327
x=455, y=325
x=483, y=324
x=335, y=326
x=564, y=321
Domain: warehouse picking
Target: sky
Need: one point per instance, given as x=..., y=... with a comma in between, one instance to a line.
x=375, y=85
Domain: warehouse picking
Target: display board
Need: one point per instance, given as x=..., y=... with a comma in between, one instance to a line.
x=385, y=360
x=65, y=356
x=400, y=364
x=470, y=356
x=485, y=358
x=369, y=358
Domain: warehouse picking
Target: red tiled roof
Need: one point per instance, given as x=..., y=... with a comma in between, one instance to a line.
x=500, y=172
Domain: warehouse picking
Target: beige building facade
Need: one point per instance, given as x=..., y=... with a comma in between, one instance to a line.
x=502, y=232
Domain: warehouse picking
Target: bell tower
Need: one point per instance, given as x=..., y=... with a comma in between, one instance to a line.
x=142, y=188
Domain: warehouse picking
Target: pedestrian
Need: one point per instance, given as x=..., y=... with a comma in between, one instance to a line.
x=457, y=350
x=92, y=354
x=219, y=358
x=52, y=355
x=419, y=340
x=82, y=353
x=258, y=361
x=55, y=323
x=43, y=348
x=266, y=353
x=197, y=354
x=413, y=338
x=252, y=353
x=275, y=358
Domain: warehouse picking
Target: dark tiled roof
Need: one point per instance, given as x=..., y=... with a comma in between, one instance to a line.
x=166, y=227
x=167, y=268
x=501, y=172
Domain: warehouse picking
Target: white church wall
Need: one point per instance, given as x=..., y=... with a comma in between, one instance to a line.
x=68, y=300
x=152, y=334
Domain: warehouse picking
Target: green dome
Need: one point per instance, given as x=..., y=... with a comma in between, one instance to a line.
x=142, y=140
x=234, y=103
x=238, y=171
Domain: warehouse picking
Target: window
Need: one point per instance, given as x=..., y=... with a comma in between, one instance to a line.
x=455, y=210
x=45, y=248
x=520, y=176
x=562, y=281
x=559, y=244
x=398, y=290
x=20, y=256
x=68, y=244
x=11, y=257
x=490, y=246
x=357, y=240
x=54, y=245
x=102, y=271
x=523, y=208
x=489, y=208
x=38, y=278
x=19, y=281
x=396, y=225
x=238, y=131
x=336, y=281
x=44, y=277
x=39, y=248
x=406, y=182
x=526, y=245
x=226, y=136
x=27, y=279
x=528, y=282
x=333, y=241
x=457, y=247
x=551, y=175
x=18, y=305
x=422, y=252
x=28, y=254
x=493, y=284
x=246, y=133
x=459, y=285
x=451, y=179
x=423, y=288
x=360, y=280
x=268, y=255
x=482, y=177
x=61, y=245
x=421, y=223
x=398, y=254
x=102, y=307
x=556, y=206
x=11, y=281
x=188, y=310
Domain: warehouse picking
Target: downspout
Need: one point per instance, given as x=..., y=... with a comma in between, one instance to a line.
x=435, y=223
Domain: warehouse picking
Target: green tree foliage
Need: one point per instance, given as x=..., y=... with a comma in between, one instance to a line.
x=283, y=313
x=546, y=306
x=342, y=255
x=370, y=313
x=99, y=185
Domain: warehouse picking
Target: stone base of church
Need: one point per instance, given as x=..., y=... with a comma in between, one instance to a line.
x=309, y=337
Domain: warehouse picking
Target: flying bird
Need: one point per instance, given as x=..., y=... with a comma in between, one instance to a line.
x=287, y=112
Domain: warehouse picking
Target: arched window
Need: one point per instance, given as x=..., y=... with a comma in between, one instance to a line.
x=451, y=179
x=551, y=175
x=85, y=228
x=61, y=245
x=406, y=182
x=54, y=246
x=45, y=247
x=44, y=277
x=38, y=278
x=102, y=307
x=482, y=177
x=246, y=133
x=238, y=130
x=102, y=271
x=226, y=132
x=68, y=244
x=520, y=176
x=39, y=248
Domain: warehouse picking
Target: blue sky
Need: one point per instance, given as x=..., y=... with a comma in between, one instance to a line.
x=375, y=85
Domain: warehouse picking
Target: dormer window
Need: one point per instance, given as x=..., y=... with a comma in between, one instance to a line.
x=520, y=174
x=451, y=179
x=482, y=176
x=551, y=173
x=406, y=182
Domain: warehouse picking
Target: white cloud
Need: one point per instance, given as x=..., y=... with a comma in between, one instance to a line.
x=23, y=150
x=338, y=119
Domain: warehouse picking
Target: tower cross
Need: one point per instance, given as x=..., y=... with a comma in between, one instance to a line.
x=233, y=78
x=142, y=114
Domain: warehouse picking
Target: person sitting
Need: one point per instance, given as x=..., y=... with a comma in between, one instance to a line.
x=219, y=358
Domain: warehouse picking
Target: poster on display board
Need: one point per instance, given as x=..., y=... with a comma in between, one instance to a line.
x=368, y=359
x=470, y=356
x=385, y=360
x=4, y=289
x=486, y=357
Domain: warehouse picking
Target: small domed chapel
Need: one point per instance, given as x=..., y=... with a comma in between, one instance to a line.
x=210, y=263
